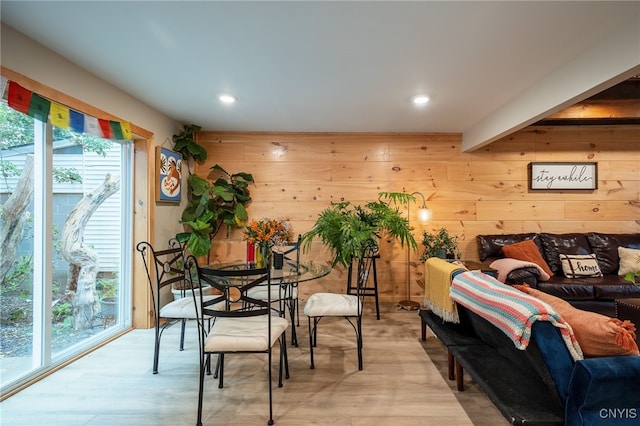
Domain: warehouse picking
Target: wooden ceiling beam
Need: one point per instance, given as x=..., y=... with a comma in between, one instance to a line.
x=596, y=108
x=619, y=104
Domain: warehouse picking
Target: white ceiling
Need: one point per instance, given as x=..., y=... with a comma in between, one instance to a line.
x=345, y=66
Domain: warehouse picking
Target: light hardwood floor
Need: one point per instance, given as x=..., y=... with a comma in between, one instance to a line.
x=404, y=382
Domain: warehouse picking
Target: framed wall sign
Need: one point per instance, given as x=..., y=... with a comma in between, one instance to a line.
x=168, y=175
x=563, y=176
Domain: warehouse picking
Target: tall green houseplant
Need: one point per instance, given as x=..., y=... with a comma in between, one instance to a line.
x=185, y=143
x=346, y=229
x=212, y=206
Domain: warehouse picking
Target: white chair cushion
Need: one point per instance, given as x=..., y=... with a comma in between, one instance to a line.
x=184, y=308
x=260, y=292
x=331, y=304
x=244, y=334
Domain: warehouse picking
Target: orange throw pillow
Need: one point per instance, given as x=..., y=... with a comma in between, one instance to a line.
x=598, y=335
x=528, y=251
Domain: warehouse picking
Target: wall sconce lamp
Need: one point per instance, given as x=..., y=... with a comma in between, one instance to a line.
x=424, y=215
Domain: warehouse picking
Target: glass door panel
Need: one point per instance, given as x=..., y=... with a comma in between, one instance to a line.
x=65, y=232
x=17, y=170
x=86, y=238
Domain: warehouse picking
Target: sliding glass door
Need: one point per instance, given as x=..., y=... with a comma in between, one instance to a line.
x=65, y=230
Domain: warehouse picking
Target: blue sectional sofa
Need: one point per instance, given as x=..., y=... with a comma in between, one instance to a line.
x=541, y=384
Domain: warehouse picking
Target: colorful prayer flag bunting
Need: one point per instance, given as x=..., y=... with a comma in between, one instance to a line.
x=59, y=115
x=19, y=98
x=126, y=130
x=76, y=121
x=105, y=128
x=116, y=129
x=39, y=107
x=43, y=109
x=91, y=126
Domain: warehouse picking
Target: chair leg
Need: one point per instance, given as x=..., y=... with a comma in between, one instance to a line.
x=200, y=392
x=156, y=349
x=359, y=343
x=184, y=324
x=286, y=358
x=311, y=342
x=292, y=312
x=220, y=370
x=270, y=422
x=375, y=288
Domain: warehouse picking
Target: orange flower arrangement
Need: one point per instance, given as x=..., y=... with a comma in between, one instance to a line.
x=269, y=232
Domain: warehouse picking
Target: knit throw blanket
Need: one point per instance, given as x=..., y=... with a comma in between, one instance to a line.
x=511, y=310
x=438, y=276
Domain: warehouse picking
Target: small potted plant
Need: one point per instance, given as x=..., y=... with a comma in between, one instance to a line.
x=440, y=244
x=108, y=289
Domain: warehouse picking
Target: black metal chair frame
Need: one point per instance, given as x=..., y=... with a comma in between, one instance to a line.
x=163, y=268
x=286, y=301
x=367, y=291
x=237, y=305
x=287, y=289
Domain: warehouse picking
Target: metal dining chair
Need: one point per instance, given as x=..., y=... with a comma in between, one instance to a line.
x=285, y=292
x=164, y=269
x=239, y=324
x=348, y=306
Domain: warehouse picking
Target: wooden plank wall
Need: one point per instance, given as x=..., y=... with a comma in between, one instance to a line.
x=482, y=192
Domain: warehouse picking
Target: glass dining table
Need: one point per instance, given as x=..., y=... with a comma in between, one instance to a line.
x=286, y=278
x=290, y=272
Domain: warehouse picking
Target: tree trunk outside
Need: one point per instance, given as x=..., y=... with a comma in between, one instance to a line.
x=83, y=261
x=14, y=216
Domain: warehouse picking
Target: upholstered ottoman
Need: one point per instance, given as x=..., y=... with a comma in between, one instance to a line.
x=629, y=309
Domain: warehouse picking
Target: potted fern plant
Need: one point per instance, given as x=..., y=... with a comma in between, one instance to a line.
x=346, y=229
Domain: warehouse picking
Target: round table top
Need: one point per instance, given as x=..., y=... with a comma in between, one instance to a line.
x=308, y=270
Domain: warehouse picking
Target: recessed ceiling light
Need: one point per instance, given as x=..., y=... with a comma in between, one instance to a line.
x=420, y=100
x=227, y=99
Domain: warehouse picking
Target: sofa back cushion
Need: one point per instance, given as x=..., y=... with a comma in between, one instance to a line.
x=605, y=247
x=490, y=246
x=554, y=244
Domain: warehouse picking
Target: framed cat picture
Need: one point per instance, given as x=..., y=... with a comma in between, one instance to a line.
x=168, y=175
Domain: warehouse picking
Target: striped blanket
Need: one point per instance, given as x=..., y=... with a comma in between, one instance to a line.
x=511, y=310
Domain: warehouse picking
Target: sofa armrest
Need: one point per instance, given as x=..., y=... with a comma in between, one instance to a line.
x=526, y=275
x=604, y=391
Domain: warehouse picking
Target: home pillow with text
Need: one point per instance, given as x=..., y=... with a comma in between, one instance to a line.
x=580, y=265
x=629, y=261
x=597, y=334
x=528, y=251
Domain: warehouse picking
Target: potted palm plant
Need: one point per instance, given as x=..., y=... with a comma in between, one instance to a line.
x=346, y=229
